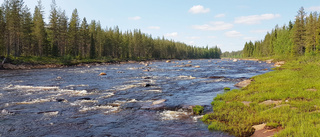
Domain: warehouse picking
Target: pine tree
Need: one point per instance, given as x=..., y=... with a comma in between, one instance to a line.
x=39, y=32
x=2, y=35
x=63, y=32
x=92, y=47
x=84, y=37
x=73, y=33
x=53, y=31
x=299, y=33
x=26, y=32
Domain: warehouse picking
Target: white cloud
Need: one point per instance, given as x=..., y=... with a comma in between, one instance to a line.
x=259, y=31
x=199, y=9
x=153, y=27
x=233, y=34
x=135, y=18
x=193, y=37
x=173, y=34
x=314, y=8
x=217, y=25
x=220, y=15
x=255, y=19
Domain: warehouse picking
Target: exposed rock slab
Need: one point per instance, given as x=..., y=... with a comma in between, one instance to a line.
x=261, y=131
x=243, y=83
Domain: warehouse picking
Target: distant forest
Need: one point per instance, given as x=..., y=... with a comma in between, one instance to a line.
x=24, y=34
x=301, y=38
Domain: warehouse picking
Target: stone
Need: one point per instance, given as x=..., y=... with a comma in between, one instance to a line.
x=243, y=83
x=188, y=65
x=168, y=61
x=279, y=63
x=269, y=61
x=157, y=102
x=197, y=66
x=235, y=60
x=102, y=73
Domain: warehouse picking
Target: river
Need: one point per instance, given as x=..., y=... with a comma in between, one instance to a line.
x=134, y=99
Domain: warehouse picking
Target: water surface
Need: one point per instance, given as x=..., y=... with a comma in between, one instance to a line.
x=137, y=99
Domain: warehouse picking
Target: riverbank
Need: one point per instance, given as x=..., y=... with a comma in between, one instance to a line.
x=59, y=62
x=286, y=100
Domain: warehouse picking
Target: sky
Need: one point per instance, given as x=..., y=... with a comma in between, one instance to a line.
x=227, y=24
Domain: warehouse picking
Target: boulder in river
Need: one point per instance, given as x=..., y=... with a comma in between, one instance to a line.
x=102, y=73
x=188, y=65
x=168, y=61
x=197, y=66
x=158, y=101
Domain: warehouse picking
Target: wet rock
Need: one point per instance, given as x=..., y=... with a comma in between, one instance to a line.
x=189, y=61
x=188, y=65
x=158, y=101
x=197, y=66
x=146, y=77
x=60, y=100
x=131, y=105
x=84, y=98
x=243, y=83
x=235, y=60
x=147, y=85
x=168, y=61
x=216, y=77
x=102, y=73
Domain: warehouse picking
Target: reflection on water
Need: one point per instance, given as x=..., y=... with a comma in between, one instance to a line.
x=131, y=100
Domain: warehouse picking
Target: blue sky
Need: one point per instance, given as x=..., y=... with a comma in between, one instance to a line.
x=225, y=23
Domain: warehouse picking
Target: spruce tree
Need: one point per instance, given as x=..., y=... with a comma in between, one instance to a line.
x=299, y=33
x=73, y=33
x=92, y=47
x=53, y=31
x=39, y=33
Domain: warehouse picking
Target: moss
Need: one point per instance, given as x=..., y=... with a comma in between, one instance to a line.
x=197, y=109
x=226, y=89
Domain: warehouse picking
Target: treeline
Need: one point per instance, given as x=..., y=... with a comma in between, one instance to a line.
x=26, y=34
x=296, y=39
x=233, y=54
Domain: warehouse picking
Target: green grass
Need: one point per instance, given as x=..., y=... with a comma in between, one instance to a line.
x=296, y=84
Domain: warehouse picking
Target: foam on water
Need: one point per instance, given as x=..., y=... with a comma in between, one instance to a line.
x=174, y=115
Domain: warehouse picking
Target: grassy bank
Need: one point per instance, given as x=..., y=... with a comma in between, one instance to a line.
x=288, y=97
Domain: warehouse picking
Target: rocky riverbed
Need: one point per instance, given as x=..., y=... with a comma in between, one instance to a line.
x=134, y=99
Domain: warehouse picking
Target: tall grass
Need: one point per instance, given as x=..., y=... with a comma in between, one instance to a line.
x=296, y=84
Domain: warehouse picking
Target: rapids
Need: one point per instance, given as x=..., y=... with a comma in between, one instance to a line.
x=134, y=99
